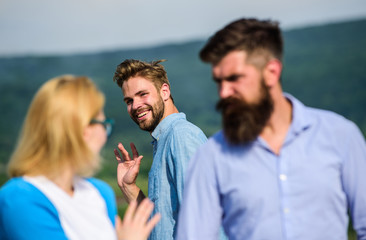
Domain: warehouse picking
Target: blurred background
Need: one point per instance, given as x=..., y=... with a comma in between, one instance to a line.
x=324, y=66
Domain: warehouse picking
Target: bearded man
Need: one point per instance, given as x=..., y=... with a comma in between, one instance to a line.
x=279, y=169
x=146, y=92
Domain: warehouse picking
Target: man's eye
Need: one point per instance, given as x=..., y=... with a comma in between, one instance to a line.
x=232, y=78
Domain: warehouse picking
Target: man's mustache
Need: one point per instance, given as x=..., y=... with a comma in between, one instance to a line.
x=226, y=103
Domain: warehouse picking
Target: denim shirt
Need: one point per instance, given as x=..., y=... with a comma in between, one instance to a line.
x=175, y=140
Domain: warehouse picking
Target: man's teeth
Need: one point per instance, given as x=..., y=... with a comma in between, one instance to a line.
x=141, y=114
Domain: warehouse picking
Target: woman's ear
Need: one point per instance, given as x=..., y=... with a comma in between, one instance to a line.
x=272, y=72
x=165, y=91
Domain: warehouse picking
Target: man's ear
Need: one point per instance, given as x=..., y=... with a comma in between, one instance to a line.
x=272, y=72
x=165, y=91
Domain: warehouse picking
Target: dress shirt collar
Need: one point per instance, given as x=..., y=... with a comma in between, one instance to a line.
x=165, y=124
x=300, y=122
x=300, y=118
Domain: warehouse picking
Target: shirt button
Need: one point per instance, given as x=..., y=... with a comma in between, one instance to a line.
x=283, y=177
x=286, y=210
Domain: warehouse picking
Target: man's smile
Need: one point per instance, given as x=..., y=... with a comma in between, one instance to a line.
x=142, y=114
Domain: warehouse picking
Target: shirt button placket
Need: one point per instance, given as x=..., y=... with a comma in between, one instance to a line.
x=284, y=193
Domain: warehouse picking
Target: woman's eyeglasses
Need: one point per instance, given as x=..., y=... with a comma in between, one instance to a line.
x=107, y=124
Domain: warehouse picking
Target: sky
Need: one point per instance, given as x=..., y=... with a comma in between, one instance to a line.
x=44, y=27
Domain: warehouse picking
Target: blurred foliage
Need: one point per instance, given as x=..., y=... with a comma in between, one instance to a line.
x=324, y=66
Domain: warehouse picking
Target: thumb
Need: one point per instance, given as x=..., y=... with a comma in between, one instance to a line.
x=138, y=162
x=118, y=223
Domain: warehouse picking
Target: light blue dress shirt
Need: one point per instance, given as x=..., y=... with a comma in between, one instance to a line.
x=175, y=140
x=303, y=193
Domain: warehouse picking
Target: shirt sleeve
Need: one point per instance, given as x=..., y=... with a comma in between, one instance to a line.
x=354, y=179
x=27, y=214
x=201, y=211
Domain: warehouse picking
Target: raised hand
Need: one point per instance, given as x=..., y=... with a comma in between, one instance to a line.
x=135, y=224
x=127, y=171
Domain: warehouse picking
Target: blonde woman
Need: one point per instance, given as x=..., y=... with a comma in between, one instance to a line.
x=50, y=194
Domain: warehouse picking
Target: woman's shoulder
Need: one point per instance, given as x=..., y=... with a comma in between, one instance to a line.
x=104, y=188
x=98, y=183
x=21, y=201
x=17, y=193
x=18, y=186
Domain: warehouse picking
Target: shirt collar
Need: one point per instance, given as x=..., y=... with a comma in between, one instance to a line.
x=300, y=121
x=165, y=124
x=300, y=118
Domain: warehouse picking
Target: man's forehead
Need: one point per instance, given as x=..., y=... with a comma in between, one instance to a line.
x=230, y=64
x=137, y=84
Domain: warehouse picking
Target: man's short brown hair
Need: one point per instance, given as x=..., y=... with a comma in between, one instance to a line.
x=257, y=38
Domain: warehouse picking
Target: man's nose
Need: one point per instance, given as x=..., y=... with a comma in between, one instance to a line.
x=225, y=89
x=136, y=104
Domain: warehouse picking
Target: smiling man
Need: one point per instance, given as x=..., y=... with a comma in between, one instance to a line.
x=146, y=92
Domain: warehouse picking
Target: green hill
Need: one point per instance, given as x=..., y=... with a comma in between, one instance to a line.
x=325, y=67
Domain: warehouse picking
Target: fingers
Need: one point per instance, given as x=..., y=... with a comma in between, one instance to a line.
x=136, y=167
x=151, y=224
x=135, y=153
x=139, y=214
x=143, y=214
x=136, y=223
x=118, y=157
x=144, y=210
x=118, y=223
x=125, y=154
x=130, y=211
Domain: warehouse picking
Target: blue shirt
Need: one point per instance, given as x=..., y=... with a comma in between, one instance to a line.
x=302, y=194
x=175, y=140
x=26, y=213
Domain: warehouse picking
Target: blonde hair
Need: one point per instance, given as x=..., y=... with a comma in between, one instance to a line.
x=52, y=134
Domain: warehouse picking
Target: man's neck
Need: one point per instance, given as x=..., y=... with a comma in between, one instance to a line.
x=275, y=131
x=170, y=108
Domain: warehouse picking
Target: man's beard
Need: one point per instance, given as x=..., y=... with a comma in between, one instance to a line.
x=243, y=122
x=157, y=113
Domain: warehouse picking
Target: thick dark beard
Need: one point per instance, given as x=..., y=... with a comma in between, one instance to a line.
x=243, y=122
x=157, y=111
